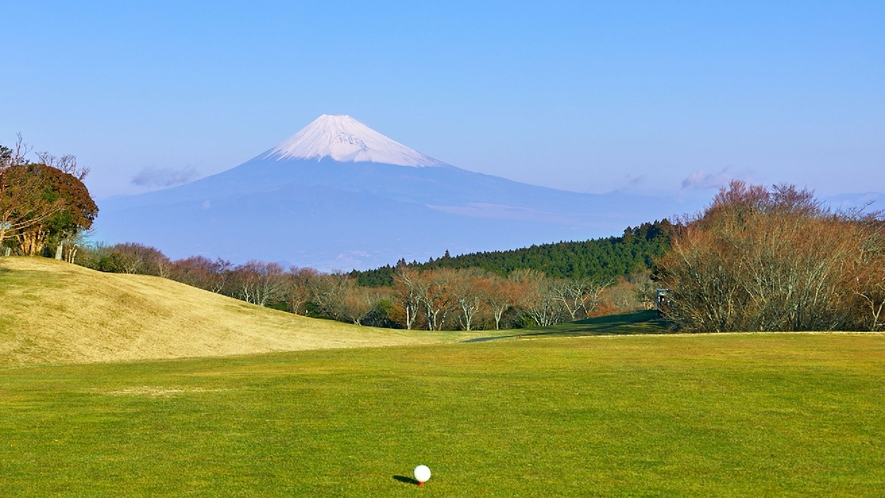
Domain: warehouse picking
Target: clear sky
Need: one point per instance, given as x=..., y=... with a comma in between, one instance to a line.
x=586, y=96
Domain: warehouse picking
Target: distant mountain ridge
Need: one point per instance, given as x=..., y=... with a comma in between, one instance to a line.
x=338, y=194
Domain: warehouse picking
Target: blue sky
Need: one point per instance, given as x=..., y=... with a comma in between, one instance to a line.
x=659, y=97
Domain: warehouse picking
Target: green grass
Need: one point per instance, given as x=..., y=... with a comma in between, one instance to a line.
x=629, y=323
x=635, y=322
x=703, y=415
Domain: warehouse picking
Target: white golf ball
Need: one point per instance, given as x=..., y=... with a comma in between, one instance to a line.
x=422, y=473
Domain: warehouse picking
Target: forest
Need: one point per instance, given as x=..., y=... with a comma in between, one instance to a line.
x=600, y=259
x=756, y=259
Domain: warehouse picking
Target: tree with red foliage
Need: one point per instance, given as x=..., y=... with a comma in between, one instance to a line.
x=43, y=203
x=73, y=209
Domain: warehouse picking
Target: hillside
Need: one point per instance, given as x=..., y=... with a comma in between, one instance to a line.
x=599, y=259
x=54, y=312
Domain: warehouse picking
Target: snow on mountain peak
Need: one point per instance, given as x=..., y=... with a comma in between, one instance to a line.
x=345, y=139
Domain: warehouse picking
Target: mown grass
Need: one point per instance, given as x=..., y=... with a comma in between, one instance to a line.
x=628, y=323
x=703, y=415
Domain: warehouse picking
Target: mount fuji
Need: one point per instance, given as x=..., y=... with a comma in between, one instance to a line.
x=339, y=195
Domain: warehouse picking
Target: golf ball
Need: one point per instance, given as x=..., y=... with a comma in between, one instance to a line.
x=422, y=473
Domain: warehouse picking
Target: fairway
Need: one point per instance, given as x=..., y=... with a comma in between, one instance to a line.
x=703, y=415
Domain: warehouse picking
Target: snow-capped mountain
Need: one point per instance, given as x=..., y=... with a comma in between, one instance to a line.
x=344, y=139
x=339, y=195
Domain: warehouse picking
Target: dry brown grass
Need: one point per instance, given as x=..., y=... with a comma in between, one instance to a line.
x=55, y=312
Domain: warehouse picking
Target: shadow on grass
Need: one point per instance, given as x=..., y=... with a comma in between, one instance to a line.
x=407, y=480
x=636, y=322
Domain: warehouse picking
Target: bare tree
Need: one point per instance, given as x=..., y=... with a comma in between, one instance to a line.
x=202, y=272
x=537, y=298
x=868, y=277
x=501, y=295
x=764, y=259
x=578, y=296
x=872, y=298
x=470, y=289
x=328, y=293
x=70, y=246
x=405, y=282
x=298, y=292
x=359, y=302
x=434, y=292
x=65, y=164
x=15, y=156
x=258, y=282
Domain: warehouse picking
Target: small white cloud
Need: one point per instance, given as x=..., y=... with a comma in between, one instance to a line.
x=153, y=177
x=704, y=180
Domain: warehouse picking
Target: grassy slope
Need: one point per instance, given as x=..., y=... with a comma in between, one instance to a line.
x=53, y=312
x=672, y=415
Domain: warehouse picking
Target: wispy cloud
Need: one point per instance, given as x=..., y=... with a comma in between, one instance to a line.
x=633, y=183
x=704, y=180
x=153, y=177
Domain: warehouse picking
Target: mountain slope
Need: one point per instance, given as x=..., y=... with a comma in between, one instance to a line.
x=54, y=312
x=345, y=139
x=322, y=199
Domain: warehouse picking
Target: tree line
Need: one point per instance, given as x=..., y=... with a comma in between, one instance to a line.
x=605, y=258
x=418, y=298
x=775, y=259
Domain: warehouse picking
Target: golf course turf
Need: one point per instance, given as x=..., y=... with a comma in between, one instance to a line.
x=704, y=415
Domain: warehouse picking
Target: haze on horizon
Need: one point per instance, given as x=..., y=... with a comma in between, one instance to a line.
x=582, y=96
